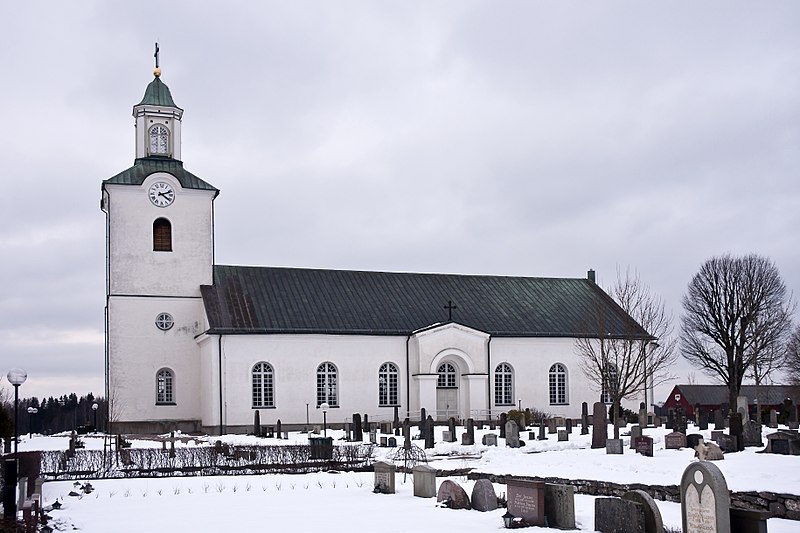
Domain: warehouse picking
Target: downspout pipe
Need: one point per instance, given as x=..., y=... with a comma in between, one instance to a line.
x=408, y=379
x=489, y=371
x=219, y=355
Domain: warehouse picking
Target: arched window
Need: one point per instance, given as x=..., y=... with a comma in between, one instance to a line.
x=159, y=140
x=165, y=388
x=610, y=383
x=387, y=385
x=447, y=376
x=327, y=388
x=504, y=384
x=263, y=389
x=558, y=384
x=162, y=235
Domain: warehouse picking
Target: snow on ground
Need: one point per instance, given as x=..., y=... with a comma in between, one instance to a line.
x=344, y=501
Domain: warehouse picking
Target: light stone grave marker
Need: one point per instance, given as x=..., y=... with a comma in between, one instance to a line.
x=705, y=500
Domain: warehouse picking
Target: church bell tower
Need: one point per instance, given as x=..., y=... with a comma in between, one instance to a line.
x=159, y=249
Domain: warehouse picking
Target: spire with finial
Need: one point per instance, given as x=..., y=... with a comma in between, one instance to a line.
x=157, y=70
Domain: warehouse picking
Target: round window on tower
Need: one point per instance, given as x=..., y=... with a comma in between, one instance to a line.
x=164, y=321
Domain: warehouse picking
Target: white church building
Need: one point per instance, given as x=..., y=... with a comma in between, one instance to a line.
x=197, y=346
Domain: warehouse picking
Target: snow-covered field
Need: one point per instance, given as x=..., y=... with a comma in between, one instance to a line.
x=341, y=502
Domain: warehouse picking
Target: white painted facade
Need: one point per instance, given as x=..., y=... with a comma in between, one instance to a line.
x=213, y=374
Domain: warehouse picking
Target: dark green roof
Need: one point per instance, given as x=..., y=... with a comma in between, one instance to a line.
x=145, y=166
x=157, y=93
x=292, y=300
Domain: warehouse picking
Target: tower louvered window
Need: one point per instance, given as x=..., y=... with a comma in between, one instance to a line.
x=162, y=235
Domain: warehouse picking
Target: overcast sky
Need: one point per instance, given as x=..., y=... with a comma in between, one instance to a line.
x=520, y=138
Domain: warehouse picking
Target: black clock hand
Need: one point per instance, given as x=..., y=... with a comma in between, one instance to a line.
x=163, y=194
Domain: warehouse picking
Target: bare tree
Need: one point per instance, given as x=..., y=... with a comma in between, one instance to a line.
x=792, y=367
x=736, y=319
x=625, y=363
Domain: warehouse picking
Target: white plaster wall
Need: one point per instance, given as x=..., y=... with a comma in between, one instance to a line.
x=430, y=346
x=138, y=349
x=134, y=267
x=294, y=359
x=531, y=359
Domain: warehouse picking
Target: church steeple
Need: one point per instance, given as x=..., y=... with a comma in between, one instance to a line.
x=158, y=121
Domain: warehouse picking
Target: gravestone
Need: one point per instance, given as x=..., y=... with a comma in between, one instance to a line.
x=384, y=442
x=749, y=521
x=384, y=477
x=279, y=429
x=407, y=434
x=470, y=433
x=386, y=428
x=447, y=436
x=703, y=422
x=773, y=418
x=348, y=431
x=423, y=417
x=693, y=439
x=503, y=420
x=429, y=442
x=719, y=420
x=512, y=434
x=531, y=435
x=396, y=418
x=358, y=431
x=599, y=426
x=489, y=439
x=783, y=443
x=674, y=441
x=424, y=481
x=741, y=408
x=751, y=434
x=256, y=423
x=551, y=426
x=526, y=500
x=365, y=422
x=615, y=515
x=563, y=435
x=636, y=431
x=644, y=446
x=614, y=447
x=451, y=426
x=483, y=497
x=559, y=505
x=728, y=444
x=391, y=442
x=542, y=435
x=584, y=418
x=373, y=436
x=652, y=516
x=453, y=495
x=716, y=434
x=793, y=424
x=737, y=430
x=569, y=425
x=642, y=415
x=708, y=451
x=705, y=500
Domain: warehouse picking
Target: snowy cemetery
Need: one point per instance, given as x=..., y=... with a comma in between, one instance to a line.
x=719, y=475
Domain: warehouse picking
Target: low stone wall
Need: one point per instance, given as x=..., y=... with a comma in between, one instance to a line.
x=778, y=505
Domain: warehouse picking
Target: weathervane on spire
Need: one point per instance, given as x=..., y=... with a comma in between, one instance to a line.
x=157, y=70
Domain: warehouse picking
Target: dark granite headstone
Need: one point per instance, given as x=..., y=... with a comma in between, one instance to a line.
x=407, y=434
x=470, y=433
x=279, y=429
x=783, y=443
x=454, y=496
x=748, y=521
x=429, y=442
x=737, y=430
x=559, y=505
x=716, y=434
x=563, y=435
x=503, y=420
x=423, y=417
x=358, y=431
x=568, y=425
x=483, y=497
x=365, y=422
x=451, y=428
x=384, y=441
x=703, y=422
x=551, y=426
x=615, y=515
x=674, y=441
x=256, y=423
x=652, y=516
x=644, y=446
x=489, y=439
x=392, y=442
x=693, y=439
x=584, y=418
x=727, y=443
x=526, y=500
x=599, y=426
x=542, y=435
x=751, y=434
x=705, y=500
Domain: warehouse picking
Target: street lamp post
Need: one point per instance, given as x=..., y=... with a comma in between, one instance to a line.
x=94, y=408
x=324, y=408
x=16, y=376
x=31, y=411
x=649, y=348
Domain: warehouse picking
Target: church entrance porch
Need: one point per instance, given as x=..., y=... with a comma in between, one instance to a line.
x=447, y=391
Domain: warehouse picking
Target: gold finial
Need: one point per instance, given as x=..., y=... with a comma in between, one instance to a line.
x=157, y=70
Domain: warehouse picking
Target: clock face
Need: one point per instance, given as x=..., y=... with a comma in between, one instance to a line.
x=161, y=194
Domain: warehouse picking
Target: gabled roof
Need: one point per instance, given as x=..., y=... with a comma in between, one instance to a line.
x=145, y=166
x=157, y=93
x=293, y=300
x=718, y=394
